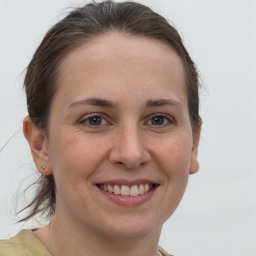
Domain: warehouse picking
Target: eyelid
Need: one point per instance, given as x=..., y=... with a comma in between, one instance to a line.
x=86, y=117
x=170, y=119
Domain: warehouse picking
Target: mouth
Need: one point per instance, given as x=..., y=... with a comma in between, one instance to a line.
x=125, y=190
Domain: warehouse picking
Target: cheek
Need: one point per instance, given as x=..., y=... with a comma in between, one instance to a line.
x=75, y=154
x=74, y=158
x=174, y=161
x=174, y=156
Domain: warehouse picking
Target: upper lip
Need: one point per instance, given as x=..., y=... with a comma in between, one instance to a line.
x=127, y=182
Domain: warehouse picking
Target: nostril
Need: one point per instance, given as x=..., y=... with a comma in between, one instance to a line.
x=129, y=156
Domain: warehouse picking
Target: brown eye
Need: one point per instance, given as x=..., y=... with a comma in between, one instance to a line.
x=157, y=120
x=160, y=120
x=95, y=120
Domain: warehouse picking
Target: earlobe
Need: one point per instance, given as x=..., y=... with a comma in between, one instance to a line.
x=37, y=141
x=194, y=165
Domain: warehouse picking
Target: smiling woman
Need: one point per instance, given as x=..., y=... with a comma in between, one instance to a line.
x=113, y=128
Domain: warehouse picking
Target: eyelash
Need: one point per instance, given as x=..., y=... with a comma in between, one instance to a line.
x=167, y=120
x=86, y=119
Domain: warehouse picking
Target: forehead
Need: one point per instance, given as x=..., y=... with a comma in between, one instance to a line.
x=114, y=60
x=114, y=46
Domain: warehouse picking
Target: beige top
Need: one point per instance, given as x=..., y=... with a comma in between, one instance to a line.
x=25, y=243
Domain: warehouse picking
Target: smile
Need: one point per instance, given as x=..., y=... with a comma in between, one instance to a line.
x=124, y=190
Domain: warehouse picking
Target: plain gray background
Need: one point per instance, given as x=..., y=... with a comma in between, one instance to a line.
x=218, y=213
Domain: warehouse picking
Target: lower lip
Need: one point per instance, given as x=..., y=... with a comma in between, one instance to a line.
x=129, y=200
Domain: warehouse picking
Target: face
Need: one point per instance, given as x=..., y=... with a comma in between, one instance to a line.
x=119, y=138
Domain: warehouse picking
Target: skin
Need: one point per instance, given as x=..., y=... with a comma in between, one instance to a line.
x=130, y=140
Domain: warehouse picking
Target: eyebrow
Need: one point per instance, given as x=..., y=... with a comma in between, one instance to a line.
x=163, y=102
x=94, y=102
x=109, y=104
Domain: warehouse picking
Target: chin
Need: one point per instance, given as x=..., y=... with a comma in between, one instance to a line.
x=131, y=230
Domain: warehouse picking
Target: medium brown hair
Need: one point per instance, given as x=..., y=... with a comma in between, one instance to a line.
x=79, y=26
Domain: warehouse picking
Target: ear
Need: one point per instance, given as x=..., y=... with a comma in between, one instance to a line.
x=38, y=143
x=194, y=164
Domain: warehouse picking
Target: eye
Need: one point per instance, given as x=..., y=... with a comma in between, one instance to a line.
x=95, y=120
x=160, y=120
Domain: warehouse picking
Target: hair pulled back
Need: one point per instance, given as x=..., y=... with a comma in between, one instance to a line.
x=79, y=26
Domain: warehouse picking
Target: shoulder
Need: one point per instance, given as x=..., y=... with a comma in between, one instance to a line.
x=163, y=252
x=25, y=243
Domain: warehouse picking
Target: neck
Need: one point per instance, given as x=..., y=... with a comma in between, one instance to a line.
x=68, y=239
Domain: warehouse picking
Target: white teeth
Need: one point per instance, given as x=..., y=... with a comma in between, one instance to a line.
x=117, y=190
x=110, y=189
x=141, y=189
x=125, y=190
x=134, y=190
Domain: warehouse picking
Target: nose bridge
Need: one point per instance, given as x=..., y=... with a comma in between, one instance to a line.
x=131, y=142
x=130, y=149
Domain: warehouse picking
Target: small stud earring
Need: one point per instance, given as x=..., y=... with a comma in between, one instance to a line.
x=43, y=167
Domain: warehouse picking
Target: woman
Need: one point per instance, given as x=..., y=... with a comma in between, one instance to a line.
x=113, y=128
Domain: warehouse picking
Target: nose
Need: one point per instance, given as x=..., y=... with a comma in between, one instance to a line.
x=129, y=149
